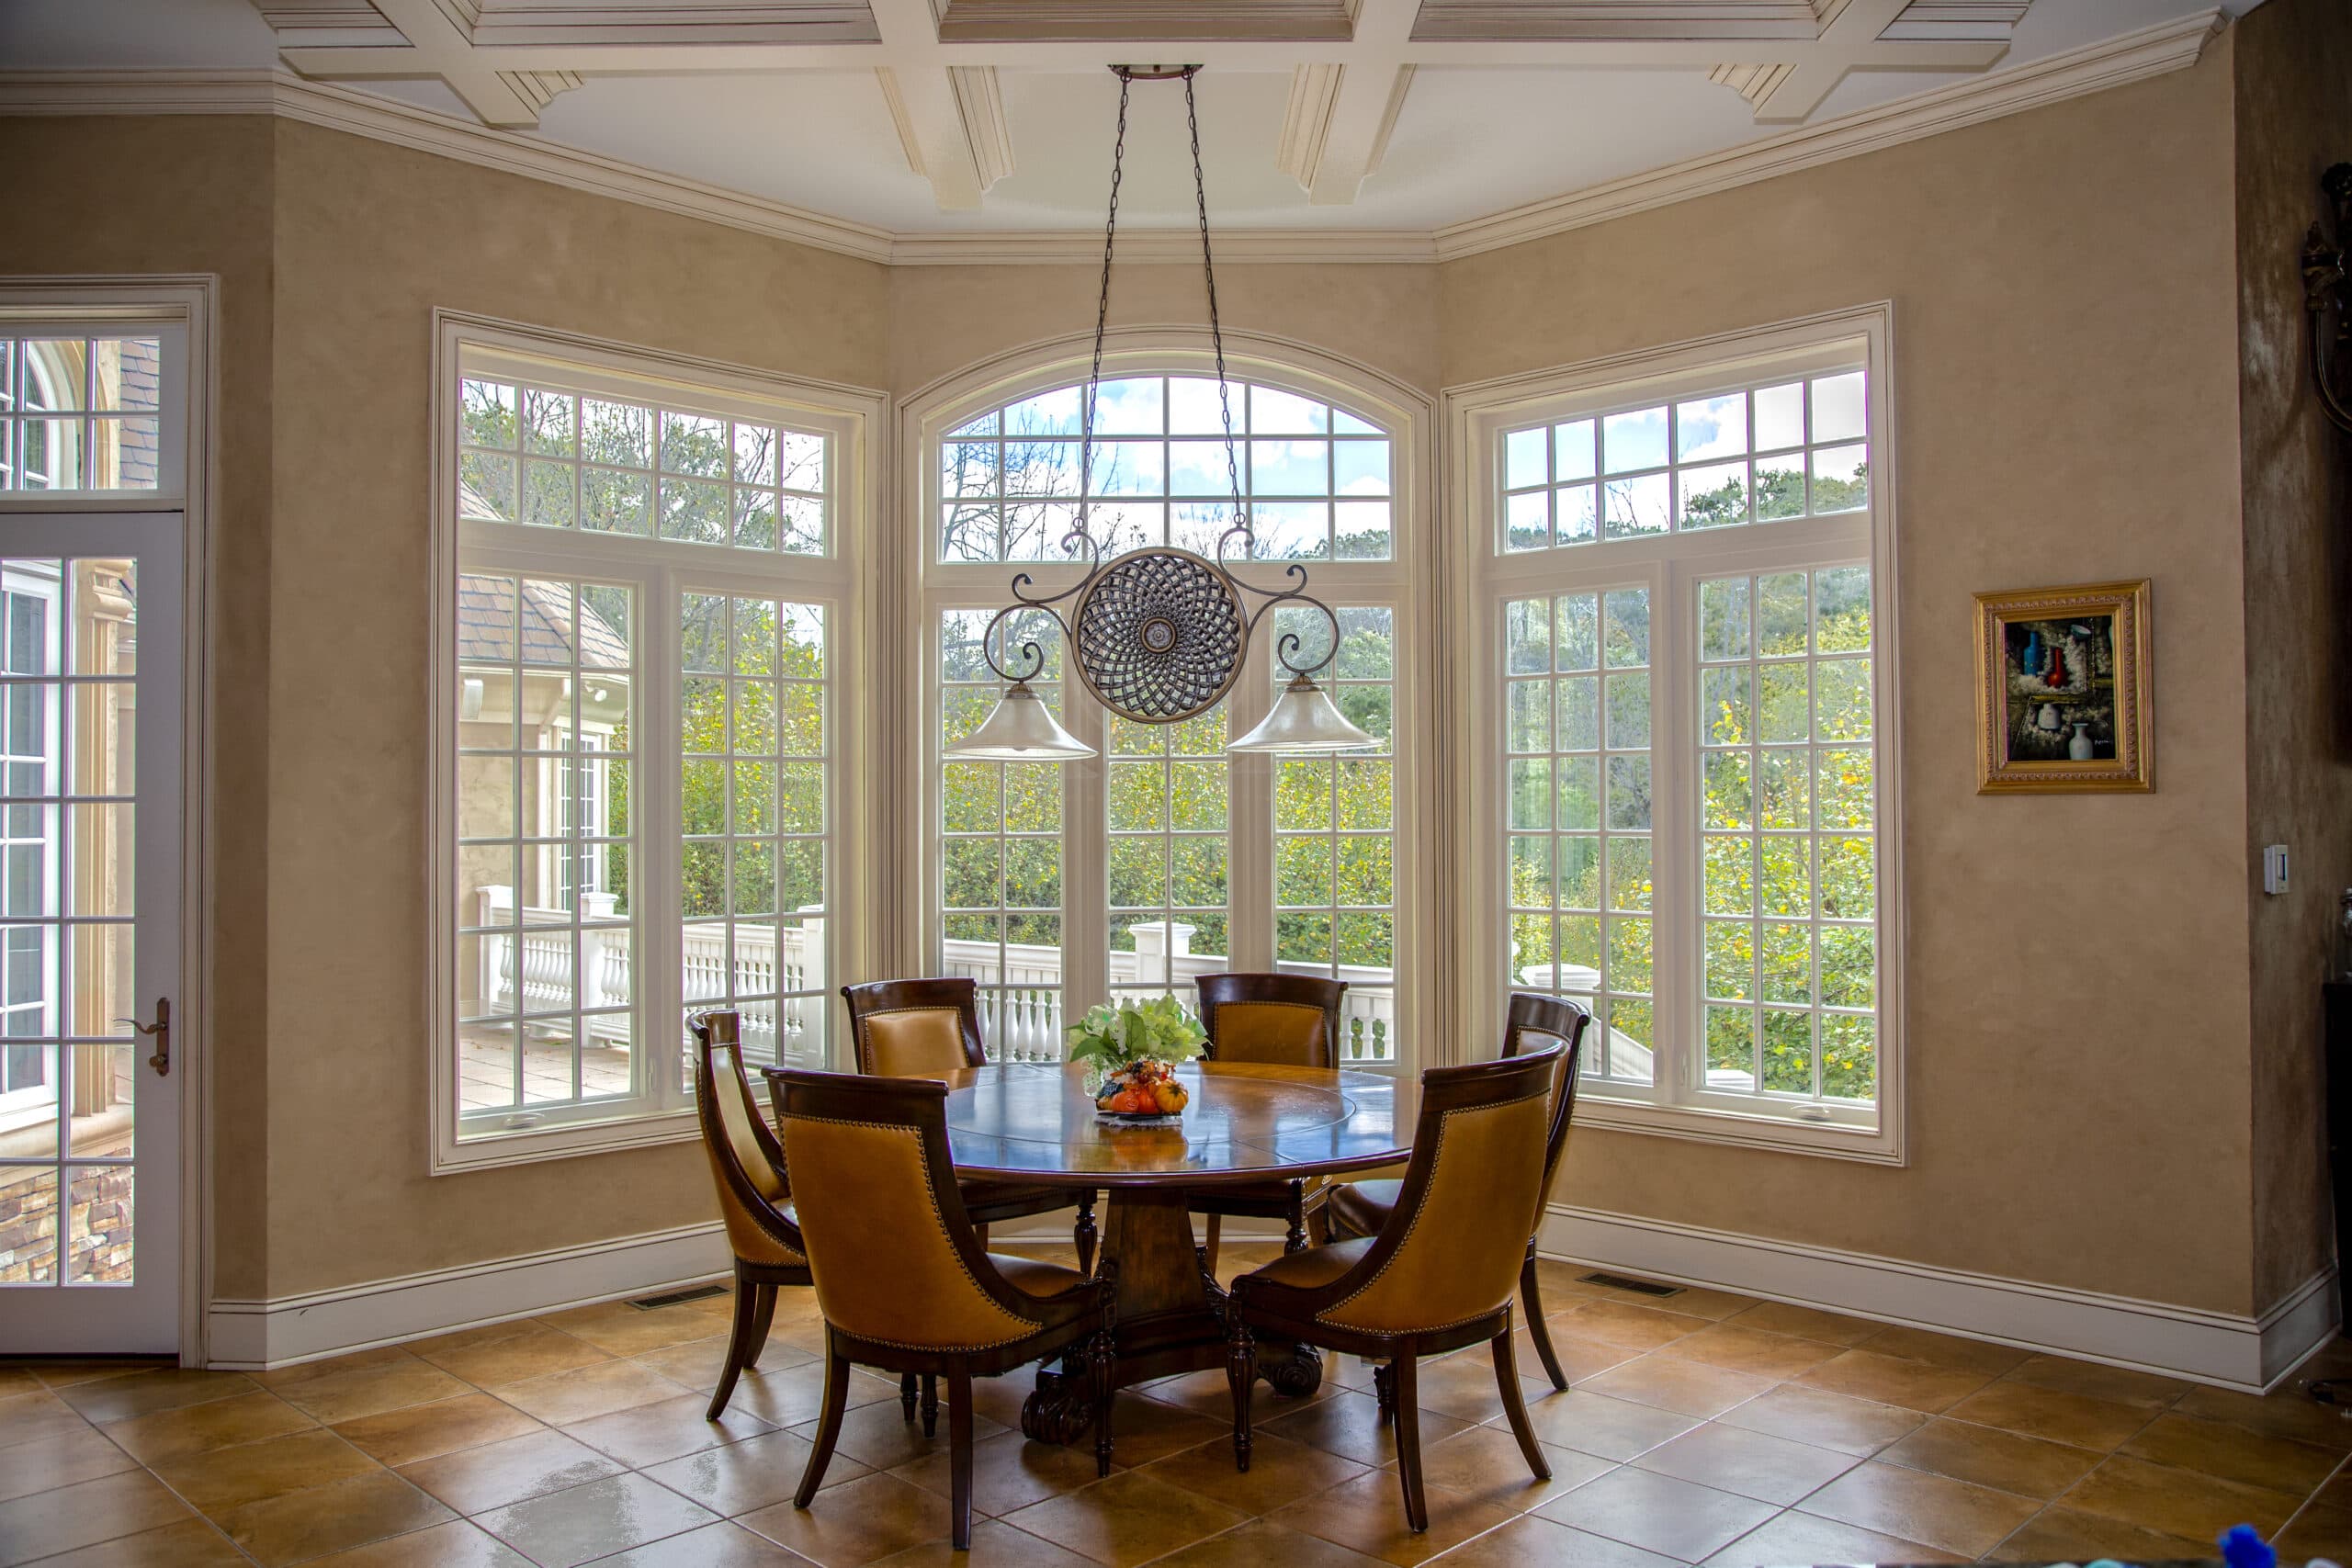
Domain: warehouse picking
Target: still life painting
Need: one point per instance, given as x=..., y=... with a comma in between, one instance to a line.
x=2064, y=689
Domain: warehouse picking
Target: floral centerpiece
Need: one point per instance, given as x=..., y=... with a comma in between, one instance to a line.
x=1131, y=1051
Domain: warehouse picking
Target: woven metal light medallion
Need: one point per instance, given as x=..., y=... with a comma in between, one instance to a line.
x=1161, y=636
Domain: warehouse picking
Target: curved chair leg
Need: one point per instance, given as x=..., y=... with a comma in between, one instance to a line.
x=931, y=1404
x=765, y=1316
x=959, y=1453
x=1085, y=1233
x=1240, y=1376
x=829, y=1425
x=1409, y=1441
x=743, y=1345
x=909, y=1386
x=1531, y=1303
x=1515, y=1405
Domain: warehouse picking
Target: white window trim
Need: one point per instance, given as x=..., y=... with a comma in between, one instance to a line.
x=1476, y=417
x=840, y=581
x=1402, y=583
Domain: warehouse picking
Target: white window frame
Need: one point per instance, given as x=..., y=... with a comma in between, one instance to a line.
x=172, y=412
x=1676, y=1104
x=1400, y=583
x=659, y=572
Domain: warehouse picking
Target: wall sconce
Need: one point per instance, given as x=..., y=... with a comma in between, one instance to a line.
x=2324, y=298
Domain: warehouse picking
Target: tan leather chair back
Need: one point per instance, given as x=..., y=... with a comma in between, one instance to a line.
x=894, y=1259
x=1452, y=1251
x=912, y=1029
x=746, y=1160
x=1289, y=1020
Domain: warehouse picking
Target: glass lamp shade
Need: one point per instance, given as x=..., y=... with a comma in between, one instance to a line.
x=1305, y=720
x=1021, y=729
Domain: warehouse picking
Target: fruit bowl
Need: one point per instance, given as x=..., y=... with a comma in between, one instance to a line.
x=1142, y=1093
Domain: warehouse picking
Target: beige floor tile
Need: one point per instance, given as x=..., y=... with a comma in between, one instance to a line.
x=1254, y=1545
x=1752, y=1350
x=1917, y=1386
x=1620, y=1323
x=1280, y=1471
x=754, y=1473
x=191, y=1543
x=1691, y=1301
x=797, y=1393
x=1911, y=1504
x=1808, y=1538
x=38, y=1418
x=1987, y=1456
x=1565, y=1282
x=1349, y=1424
x=427, y=1431
x=1532, y=1541
x=1659, y=1512
x=15, y=1380
x=1210, y=1394
x=856, y=1522
x=561, y=1398
x=335, y=1366
x=595, y=1521
x=2234, y=1453
x=1596, y=1424
x=171, y=1435
x=2060, y=1534
x=2323, y=1529
x=84, y=1455
x=2077, y=1418
x=1009, y=1472
x=533, y=1352
x=721, y=1545
x=466, y=1338
x=302, y=1525
x=1129, y=1518
x=1689, y=1388
x=1948, y=1350
x=1579, y=1358
x=143, y=1393
x=2284, y=1414
x=2178, y=1502
x=1485, y=1463
x=512, y=1469
x=2067, y=1375
x=66, y=1372
x=625, y=1330
x=879, y=1437
x=1367, y=1515
x=1808, y=1323
x=995, y=1544
x=1754, y=1464
x=697, y=1363
x=1463, y=1386
x=371, y=1391
x=89, y=1511
x=666, y=1430
x=220, y=1479
x=457, y=1544
x=1858, y=1427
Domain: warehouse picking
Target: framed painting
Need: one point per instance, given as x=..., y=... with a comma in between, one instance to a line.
x=2063, y=690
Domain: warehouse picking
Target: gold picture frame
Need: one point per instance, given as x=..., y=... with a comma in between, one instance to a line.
x=2064, y=695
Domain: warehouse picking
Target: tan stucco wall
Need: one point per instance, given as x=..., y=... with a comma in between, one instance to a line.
x=2065, y=411
x=2294, y=61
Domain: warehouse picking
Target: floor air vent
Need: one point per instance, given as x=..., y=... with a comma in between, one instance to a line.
x=1625, y=1283
x=677, y=1298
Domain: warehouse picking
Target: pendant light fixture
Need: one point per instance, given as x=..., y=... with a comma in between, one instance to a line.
x=1155, y=635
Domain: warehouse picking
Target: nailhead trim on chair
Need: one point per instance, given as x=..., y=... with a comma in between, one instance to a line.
x=1325, y=1315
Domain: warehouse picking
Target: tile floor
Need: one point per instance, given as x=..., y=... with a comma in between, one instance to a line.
x=1702, y=1429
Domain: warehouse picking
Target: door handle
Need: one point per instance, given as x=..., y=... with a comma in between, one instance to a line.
x=160, y=1032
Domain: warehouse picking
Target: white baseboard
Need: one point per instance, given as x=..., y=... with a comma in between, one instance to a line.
x=255, y=1334
x=2252, y=1354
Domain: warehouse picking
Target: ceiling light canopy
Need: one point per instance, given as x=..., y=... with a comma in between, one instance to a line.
x=1157, y=635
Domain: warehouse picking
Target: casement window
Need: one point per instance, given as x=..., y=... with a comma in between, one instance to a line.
x=1682, y=779
x=646, y=601
x=1058, y=885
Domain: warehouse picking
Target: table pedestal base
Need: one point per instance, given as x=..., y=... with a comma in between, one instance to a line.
x=1172, y=1318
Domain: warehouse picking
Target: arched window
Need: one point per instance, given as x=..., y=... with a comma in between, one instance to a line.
x=1057, y=885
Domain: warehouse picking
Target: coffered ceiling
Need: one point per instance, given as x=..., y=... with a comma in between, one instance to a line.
x=941, y=117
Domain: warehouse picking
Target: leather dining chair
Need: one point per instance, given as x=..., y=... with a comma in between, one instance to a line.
x=1290, y=1020
x=755, y=1194
x=912, y=1029
x=901, y=1276
x=1439, y=1275
x=1362, y=1208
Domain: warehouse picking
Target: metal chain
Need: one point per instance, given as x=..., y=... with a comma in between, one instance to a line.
x=1101, y=309
x=1216, y=332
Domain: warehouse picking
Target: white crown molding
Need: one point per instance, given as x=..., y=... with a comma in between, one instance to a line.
x=2150, y=52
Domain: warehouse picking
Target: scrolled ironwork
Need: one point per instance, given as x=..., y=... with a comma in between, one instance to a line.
x=1159, y=636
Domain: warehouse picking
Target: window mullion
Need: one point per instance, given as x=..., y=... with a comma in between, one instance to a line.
x=1674, y=838
x=658, y=836
x=1250, y=820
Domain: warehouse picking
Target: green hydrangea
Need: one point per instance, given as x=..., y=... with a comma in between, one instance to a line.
x=1120, y=1036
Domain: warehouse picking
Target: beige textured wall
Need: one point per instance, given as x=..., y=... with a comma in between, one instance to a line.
x=2065, y=411
x=198, y=200
x=2294, y=118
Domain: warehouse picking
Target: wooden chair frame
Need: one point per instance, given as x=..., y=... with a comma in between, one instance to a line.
x=1292, y=1202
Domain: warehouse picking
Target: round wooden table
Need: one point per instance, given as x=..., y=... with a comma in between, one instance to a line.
x=1036, y=1124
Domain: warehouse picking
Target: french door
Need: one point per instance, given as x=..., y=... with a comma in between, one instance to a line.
x=91, y=662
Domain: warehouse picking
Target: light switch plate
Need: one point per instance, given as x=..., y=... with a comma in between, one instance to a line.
x=2274, y=868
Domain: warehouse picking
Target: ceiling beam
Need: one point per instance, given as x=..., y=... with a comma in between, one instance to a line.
x=1849, y=41
x=1336, y=127
x=950, y=117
